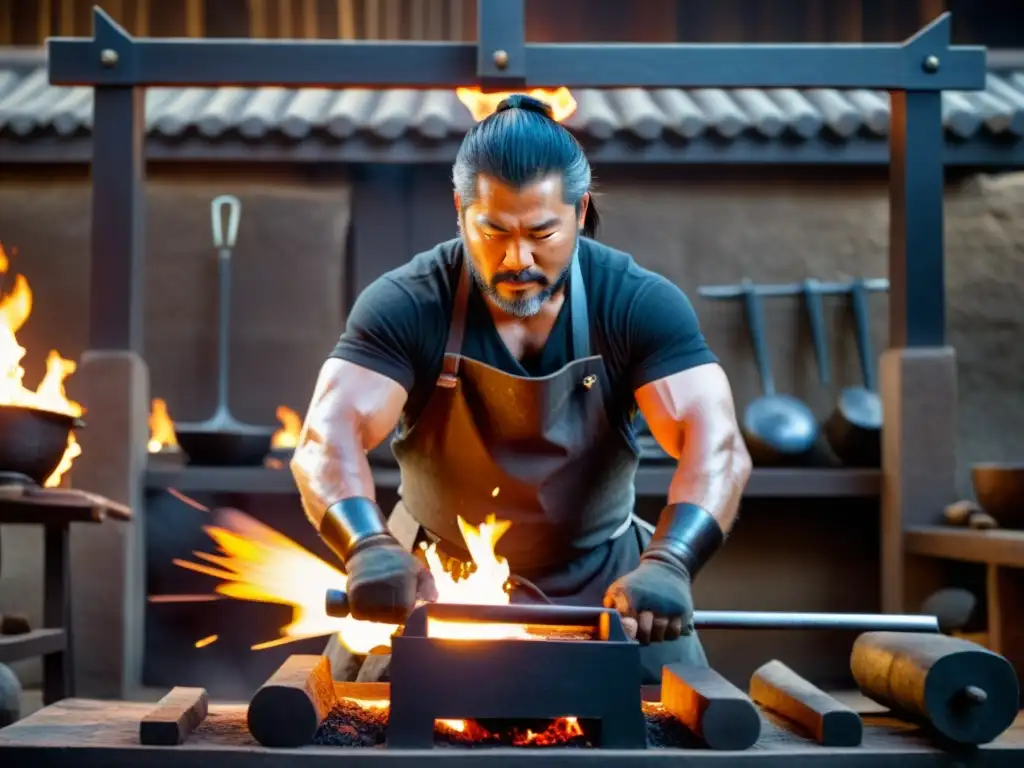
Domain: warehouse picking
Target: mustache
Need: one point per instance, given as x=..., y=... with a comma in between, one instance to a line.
x=526, y=276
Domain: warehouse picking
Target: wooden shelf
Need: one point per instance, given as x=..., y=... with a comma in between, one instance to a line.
x=650, y=481
x=38, y=642
x=1004, y=548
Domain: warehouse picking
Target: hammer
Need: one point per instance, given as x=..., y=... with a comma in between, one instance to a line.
x=336, y=605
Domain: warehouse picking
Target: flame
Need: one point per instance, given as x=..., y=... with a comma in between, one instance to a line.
x=208, y=640
x=256, y=563
x=15, y=308
x=481, y=104
x=560, y=730
x=288, y=435
x=161, y=427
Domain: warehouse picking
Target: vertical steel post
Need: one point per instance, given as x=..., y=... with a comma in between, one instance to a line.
x=117, y=274
x=916, y=269
x=501, y=43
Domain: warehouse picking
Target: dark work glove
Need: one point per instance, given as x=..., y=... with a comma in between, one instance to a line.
x=657, y=596
x=384, y=582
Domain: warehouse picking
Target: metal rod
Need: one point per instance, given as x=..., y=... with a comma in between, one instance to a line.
x=716, y=292
x=336, y=605
x=854, y=622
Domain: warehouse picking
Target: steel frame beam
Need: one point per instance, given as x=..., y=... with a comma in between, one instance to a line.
x=120, y=67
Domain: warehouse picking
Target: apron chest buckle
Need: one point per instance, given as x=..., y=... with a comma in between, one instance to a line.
x=589, y=382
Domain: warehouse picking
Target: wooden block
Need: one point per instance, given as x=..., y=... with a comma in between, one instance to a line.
x=292, y=704
x=781, y=690
x=176, y=715
x=711, y=707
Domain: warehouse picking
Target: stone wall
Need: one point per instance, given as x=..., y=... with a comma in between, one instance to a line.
x=705, y=229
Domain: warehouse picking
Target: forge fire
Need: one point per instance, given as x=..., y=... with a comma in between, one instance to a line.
x=363, y=723
x=256, y=563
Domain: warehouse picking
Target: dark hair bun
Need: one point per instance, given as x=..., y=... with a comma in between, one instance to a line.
x=528, y=103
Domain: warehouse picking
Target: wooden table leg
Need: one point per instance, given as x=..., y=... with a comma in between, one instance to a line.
x=58, y=671
x=1005, y=596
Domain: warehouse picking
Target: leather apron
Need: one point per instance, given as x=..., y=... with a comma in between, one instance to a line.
x=540, y=452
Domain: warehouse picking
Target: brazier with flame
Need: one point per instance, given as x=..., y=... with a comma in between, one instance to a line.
x=32, y=443
x=37, y=442
x=571, y=662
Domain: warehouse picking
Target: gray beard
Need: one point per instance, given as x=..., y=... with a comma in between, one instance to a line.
x=526, y=306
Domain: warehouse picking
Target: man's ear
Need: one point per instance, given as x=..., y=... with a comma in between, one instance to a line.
x=584, y=204
x=458, y=202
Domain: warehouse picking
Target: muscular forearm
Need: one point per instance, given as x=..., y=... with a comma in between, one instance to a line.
x=330, y=463
x=694, y=419
x=713, y=471
x=351, y=412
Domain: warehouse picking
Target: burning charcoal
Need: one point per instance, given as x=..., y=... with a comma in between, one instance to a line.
x=353, y=723
x=663, y=730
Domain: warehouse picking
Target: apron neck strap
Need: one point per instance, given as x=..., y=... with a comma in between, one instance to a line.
x=578, y=310
x=457, y=328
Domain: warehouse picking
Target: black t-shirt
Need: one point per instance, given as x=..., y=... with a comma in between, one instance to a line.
x=640, y=323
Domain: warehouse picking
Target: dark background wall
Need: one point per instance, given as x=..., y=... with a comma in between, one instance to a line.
x=288, y=280
x=311, y=239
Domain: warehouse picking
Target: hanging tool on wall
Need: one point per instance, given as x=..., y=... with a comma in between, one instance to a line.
x=854, y=429
x=778, y=429
x=222, y=440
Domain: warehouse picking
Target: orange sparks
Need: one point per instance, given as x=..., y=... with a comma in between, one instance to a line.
x=208, y=640
x=187, y=500
x=256, y=563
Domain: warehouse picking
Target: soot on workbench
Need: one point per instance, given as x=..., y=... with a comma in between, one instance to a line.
x=353, y=723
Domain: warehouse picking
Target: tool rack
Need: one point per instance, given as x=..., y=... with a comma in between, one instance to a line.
x=914, y=72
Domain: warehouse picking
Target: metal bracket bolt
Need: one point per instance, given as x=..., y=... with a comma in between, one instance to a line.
x=108, y=57
x=500, y=59
x=930, y=64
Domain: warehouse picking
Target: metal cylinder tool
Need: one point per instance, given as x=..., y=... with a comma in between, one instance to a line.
x=962, y=691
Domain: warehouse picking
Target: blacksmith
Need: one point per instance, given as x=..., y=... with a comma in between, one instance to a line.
x=515, y=357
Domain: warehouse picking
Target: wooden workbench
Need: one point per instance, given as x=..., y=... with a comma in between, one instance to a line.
x=95, y=734
x=55, y=510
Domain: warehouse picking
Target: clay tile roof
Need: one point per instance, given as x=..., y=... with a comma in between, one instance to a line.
x=29, y=105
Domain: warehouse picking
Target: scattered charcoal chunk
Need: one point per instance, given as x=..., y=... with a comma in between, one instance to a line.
x=663, y=730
